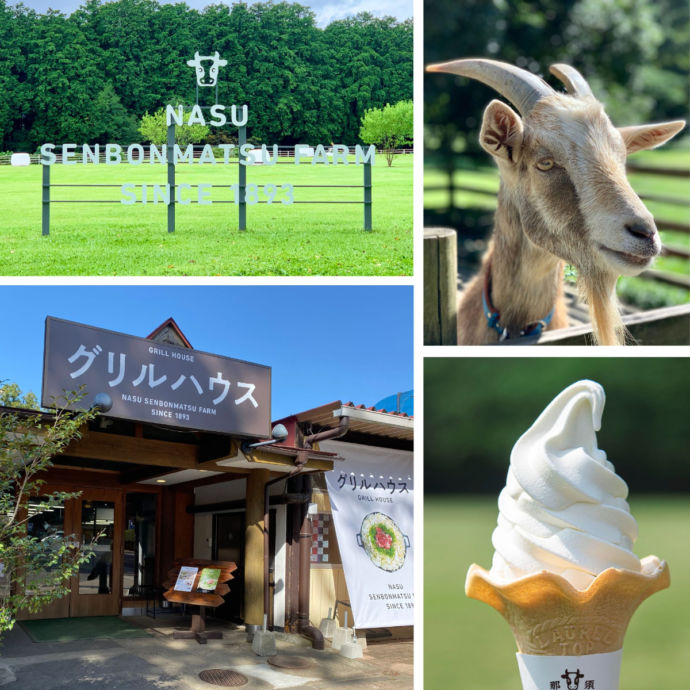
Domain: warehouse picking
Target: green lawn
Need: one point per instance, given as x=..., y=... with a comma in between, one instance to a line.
x=644, y=293
x=467, y=644
x=297, y=239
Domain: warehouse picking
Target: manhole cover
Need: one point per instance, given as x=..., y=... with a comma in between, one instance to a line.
x=284, y=661
x=224, y=677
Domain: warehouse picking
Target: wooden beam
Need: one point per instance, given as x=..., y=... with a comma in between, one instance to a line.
x=98, y=445
x=216, y=479
x=139, y=473
x=231, y=452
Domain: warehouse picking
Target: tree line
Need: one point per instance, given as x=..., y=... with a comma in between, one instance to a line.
x=91, y=76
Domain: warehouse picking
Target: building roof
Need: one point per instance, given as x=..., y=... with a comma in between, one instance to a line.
x=169, y=332
x=362, y=419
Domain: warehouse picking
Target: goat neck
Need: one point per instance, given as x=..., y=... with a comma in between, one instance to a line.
x=525, y=279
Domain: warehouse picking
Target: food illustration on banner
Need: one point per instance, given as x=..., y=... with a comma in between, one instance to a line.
x=383, y=541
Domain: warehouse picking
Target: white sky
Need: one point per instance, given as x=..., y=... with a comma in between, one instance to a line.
x=326, y=10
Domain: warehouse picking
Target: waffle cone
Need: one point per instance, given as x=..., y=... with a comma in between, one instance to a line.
x=550, y=617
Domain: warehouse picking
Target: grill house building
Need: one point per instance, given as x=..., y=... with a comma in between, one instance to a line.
x=182, y=464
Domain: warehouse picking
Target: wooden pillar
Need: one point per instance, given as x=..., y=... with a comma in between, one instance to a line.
x=254, y=549
x=440, y=286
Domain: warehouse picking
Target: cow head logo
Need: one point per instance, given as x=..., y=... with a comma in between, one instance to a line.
x=206, y=67
x=572, y=678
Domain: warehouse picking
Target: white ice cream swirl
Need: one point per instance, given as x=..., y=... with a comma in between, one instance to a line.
x=563, y=508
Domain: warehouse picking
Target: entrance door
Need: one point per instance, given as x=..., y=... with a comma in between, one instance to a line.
x=96, y=590
x=96, y=517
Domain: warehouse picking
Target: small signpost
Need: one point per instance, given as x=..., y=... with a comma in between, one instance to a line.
x=200, y=583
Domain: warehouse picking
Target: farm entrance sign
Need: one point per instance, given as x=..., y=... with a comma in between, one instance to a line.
x=242, y=154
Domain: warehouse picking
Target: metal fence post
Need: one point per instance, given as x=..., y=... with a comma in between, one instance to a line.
x=367, y=195
x=45, y=220
x=171, y=177
x=242, y=191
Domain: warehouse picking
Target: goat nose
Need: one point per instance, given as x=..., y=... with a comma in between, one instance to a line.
x=641, y=230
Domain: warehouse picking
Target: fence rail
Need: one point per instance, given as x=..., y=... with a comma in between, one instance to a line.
x=172, y=190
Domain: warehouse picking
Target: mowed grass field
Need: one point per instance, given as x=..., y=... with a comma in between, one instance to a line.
x=645, y=293
x=112, y=239
x=468, y=645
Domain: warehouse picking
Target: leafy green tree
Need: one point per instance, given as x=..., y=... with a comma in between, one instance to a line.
x=34, y=571
x=63, y=78
x=113, y=122
x=8, y=54
x=369, y=64
x=11, y=396
x=389, y=127
x=154, y=129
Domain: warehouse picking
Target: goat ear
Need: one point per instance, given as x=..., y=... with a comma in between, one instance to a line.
x=501, y=133
x=642, y=137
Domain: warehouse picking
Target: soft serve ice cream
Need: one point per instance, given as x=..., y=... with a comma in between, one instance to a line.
x=564, y=508
x=564, y=576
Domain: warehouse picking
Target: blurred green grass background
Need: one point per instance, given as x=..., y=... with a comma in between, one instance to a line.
x=468, y=645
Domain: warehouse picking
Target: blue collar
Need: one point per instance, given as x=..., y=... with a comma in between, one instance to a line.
x=493, y=315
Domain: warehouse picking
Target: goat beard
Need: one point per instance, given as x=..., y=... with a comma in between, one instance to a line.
x=599, y=291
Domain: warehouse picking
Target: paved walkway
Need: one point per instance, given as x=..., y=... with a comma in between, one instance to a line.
x=160, y=662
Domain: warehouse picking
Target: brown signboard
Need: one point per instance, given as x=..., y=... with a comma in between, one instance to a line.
x=158, y=383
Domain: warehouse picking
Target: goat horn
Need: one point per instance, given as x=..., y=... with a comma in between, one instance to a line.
x=522, y=88
x=575, y=83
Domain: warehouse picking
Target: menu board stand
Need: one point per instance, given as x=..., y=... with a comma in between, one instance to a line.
x=183, y=588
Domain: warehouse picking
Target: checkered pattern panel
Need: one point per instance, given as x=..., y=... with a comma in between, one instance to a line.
x=321, y=529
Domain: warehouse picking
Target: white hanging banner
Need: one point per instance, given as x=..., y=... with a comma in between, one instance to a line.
x=372, y=505
x=589, y=672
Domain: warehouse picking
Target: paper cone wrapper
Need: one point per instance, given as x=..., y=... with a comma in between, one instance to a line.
x=599, y=671
x=549, y=617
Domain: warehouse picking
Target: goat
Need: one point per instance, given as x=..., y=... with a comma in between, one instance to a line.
x=563, y=197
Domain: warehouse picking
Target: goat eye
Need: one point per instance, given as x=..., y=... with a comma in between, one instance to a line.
x=545, y=164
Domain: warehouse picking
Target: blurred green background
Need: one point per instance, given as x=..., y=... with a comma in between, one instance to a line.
x=474, y=411
x=634, y=54
x=476, y=408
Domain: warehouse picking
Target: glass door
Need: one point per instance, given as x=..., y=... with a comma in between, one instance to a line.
x=96, y=588
x=43, y=525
